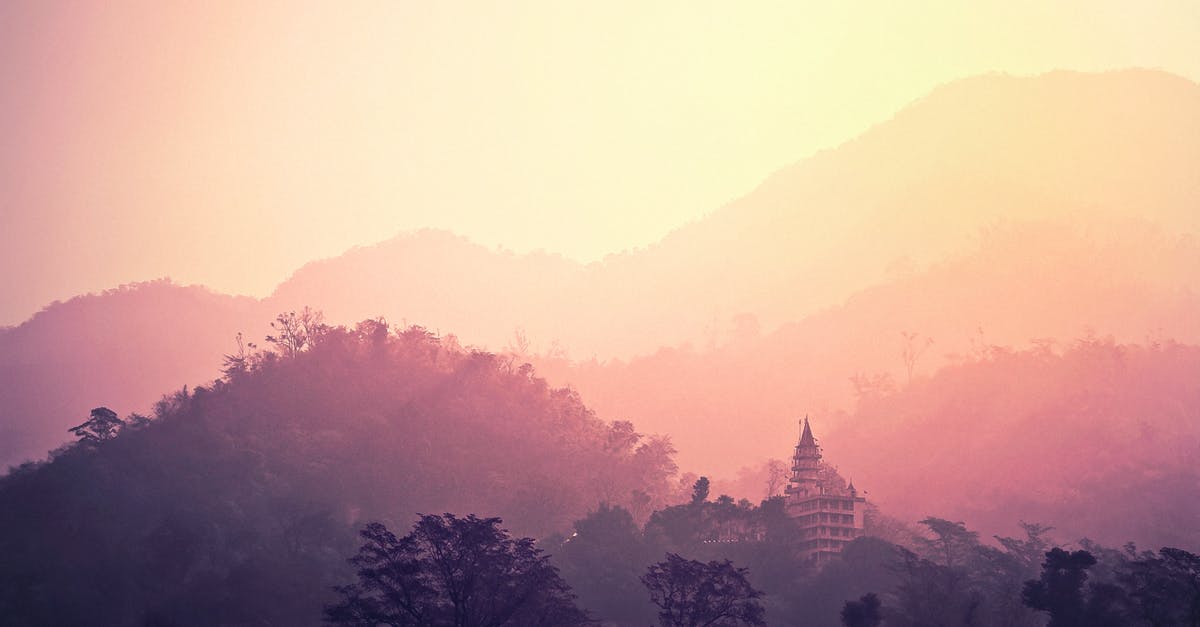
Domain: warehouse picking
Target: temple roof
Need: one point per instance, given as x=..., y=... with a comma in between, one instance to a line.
x=806, y=437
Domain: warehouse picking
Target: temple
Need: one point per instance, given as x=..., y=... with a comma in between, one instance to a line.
x=829, y=517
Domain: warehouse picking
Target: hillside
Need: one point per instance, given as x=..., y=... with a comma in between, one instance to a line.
x=733, y=403
x=1098, y=439
x=238, y=503
x=122, y=348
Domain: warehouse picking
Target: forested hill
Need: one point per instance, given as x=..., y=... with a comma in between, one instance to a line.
x=1096, y=438
x=237, y=503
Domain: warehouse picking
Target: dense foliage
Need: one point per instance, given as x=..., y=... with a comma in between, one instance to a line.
x=454, y=572
x=690, y=593
x=943, y=574
x=238, y=503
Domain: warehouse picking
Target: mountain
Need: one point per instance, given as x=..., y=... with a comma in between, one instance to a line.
x=438, y=279
x=239, y=502
x=1033, y=207
x=1063, y=147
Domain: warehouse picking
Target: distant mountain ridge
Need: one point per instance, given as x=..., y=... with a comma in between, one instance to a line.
x=1062, y=146
x=1086, y=152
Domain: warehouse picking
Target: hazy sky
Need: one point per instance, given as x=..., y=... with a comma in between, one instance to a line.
x=228, y=143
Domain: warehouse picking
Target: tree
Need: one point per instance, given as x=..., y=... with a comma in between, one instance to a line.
x=700, y=491
x=1165, y=589
x=697, y=594
x=101, y=426
x=929, y=593
x=450, y=571
x=604, y=560
x=912, y=350
x=518, y=345
x=1059, y=591
x=951, y=542
x=238, y=363
x=865, y=612
x=296, y=332
x=777, y=474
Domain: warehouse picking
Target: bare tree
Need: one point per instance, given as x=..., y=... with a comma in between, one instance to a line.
x=297, y=332
x=777, y=474
x=912, y=350
x=240, y=361
x=518, y=346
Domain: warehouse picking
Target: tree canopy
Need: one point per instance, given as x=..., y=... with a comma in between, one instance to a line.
x=454, y=572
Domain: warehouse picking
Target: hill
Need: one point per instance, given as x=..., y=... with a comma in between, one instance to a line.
x=1097, y=439
x=1030, y=207
x=238, y=503
x=732, y=402
x=122, y=348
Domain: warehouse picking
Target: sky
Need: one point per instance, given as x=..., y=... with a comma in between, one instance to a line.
x=228, y=143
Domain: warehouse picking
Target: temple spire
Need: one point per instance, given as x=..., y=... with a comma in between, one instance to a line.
x=806, y=436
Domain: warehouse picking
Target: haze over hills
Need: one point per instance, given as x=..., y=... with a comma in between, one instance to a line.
x=237, y=503
x=124, y=348
x=1063, y=146
x=729, y=404
x=994, y=211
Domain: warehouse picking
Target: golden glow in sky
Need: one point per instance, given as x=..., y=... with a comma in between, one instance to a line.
x=228, y=143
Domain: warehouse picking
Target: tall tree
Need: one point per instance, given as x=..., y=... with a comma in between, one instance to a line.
x=698, y=594
x=294, y=332
x=700, y=491
x=454, y=572
x=951, y=543
x=603, y=560
x=1059, y=591
x=102, y=425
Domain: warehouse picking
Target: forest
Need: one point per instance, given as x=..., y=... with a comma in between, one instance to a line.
x=378, y=475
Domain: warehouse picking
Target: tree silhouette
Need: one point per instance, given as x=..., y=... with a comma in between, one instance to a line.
x=294, y=332
x=102, y=425
x=700, y=491
x=698, y=594
x=238, y=363
x=1059, y=591
x=912, y=350
x=1165, y=589
x=865, y=612
x=604, y=560
x=777, y=475
x=951, y=542
x=454, y=572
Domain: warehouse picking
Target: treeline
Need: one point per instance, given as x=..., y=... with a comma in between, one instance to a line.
x=683, y=569
x=237, y=502
x=943, y=574
x=1057, y=431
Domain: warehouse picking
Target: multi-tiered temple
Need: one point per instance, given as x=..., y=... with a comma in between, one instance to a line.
x=829, y=518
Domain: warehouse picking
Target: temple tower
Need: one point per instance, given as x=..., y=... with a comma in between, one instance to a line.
x=829, y=517
x=806, y=464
